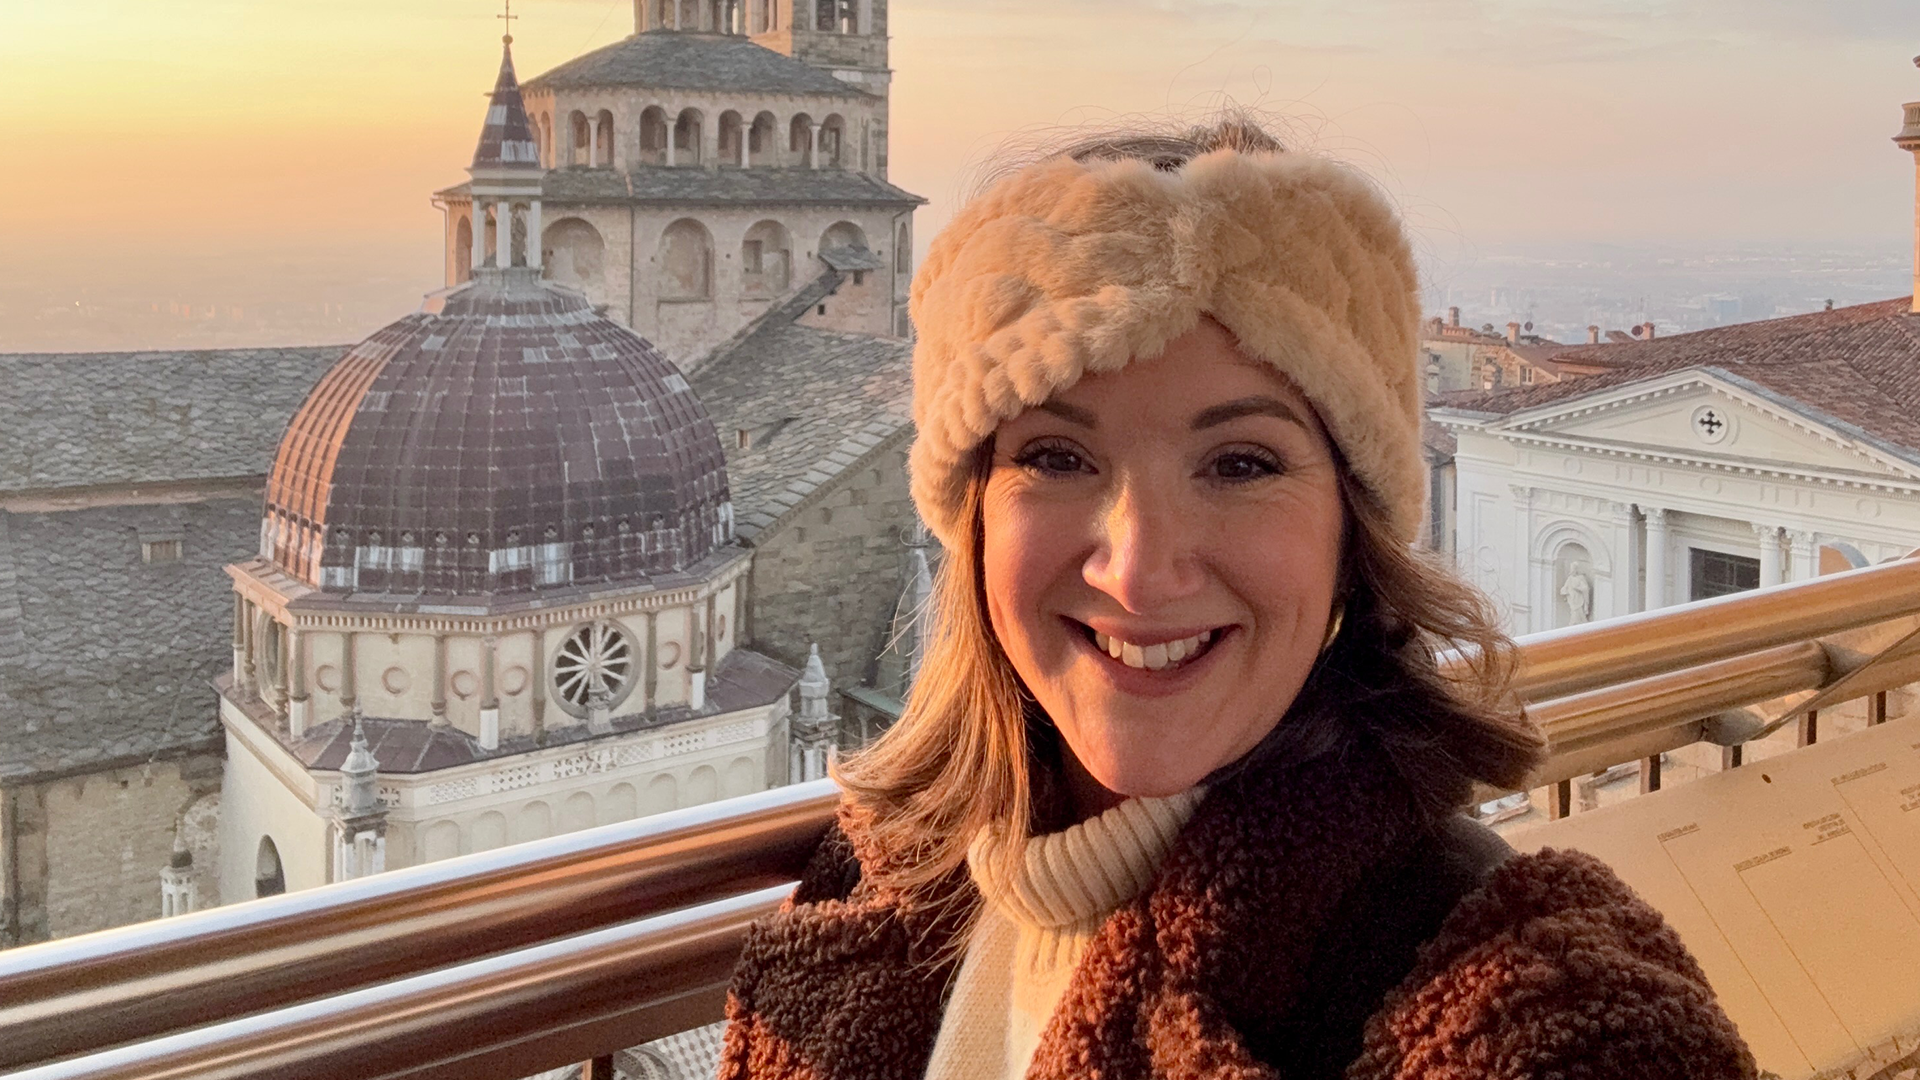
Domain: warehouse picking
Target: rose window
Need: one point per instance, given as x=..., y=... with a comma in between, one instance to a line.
x=595, y=661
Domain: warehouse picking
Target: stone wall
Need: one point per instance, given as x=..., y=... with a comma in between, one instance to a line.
x=833, y=571
x=90, y=848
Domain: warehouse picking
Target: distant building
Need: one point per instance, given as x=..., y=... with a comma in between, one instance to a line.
x=1693, y=465
x=690, y=175
x=1461, y=358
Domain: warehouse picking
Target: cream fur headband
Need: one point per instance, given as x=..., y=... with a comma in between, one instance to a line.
x=1071, y=267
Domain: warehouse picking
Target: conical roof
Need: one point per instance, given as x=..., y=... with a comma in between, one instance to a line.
x=506, y=142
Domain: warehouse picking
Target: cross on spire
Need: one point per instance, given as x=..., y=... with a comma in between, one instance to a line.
x=509, y=17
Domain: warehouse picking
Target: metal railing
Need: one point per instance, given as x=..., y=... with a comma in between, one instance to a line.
x=510, y=962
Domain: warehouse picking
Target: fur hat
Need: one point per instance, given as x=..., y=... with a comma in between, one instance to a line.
x=1070, y=267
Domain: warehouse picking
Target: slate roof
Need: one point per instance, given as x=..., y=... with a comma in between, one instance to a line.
x=1858, y=367
x=768, y=380
x=672, y=60
x=697, y=186
x=98, y=419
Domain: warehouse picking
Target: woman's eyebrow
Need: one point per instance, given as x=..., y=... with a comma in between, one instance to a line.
x=1071, y=413
x=1249, y=406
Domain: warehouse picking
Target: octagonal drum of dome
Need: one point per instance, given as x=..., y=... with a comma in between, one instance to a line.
x=505, y=438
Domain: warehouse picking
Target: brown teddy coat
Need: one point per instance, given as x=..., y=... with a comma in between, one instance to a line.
x=1551, y=969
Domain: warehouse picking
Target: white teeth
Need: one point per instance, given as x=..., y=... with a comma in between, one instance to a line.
x=1152, y=657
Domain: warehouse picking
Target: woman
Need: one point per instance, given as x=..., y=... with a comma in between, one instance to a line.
x=1176, y=793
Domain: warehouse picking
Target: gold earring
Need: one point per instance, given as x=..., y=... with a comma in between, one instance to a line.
x=1333, y=627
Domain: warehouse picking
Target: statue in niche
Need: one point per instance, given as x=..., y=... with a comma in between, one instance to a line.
x=1577, y=590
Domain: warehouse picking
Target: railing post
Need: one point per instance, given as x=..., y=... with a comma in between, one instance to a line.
x=1877, y=709
x=1810, y=727
x=600, y=1068
x=1730, y=757
x=1560, y=800
x=1650, y=774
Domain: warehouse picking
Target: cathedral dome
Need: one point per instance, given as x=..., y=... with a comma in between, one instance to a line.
x=505, y=438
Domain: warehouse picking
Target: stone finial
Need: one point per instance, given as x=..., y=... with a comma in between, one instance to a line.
x=813, y=687
x=182, y=858
x=362, y=771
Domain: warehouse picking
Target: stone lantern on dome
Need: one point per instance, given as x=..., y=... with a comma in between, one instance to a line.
x=498, y=550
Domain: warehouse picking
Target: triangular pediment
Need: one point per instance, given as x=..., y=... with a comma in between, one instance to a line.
x=1699, y=414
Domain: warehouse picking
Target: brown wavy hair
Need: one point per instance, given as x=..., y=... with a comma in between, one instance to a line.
x=973, y=750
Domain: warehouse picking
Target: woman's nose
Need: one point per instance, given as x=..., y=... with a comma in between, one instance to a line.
x=1144, y=553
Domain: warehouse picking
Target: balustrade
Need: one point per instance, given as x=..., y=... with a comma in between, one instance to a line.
x=511, y=962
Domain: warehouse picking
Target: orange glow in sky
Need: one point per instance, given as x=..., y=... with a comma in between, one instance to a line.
x=208, y=126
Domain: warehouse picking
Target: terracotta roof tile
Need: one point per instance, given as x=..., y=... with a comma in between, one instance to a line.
x=1858, y=365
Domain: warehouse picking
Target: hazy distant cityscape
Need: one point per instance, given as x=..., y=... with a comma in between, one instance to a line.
x=321, y=297
x=1562, y=289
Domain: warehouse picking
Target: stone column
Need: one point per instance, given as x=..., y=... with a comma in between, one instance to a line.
x=651, y=684
x=1770, y=571
x=439, y=700
x=537, y=683
x=673, y=128
x=746, y=137
x=240, y=659
x=533, y=234
x=1657, y=541
x=593, y=142
x=813, y=144
x=1909, y=140
x=1806, y=554
x=347, y=663
x=299, y=704
x=489, y=696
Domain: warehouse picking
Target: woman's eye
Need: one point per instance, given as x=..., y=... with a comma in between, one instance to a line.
x=1244, y=465
x=1052, y=460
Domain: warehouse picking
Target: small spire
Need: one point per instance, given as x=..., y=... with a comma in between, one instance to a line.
x=182, y=858
x=506, y=141
x=362, y=770
x=813, y=686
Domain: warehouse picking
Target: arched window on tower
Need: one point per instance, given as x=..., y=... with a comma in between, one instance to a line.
x=687, y=138
x=843, y=234
x=833, y=141
x=463, y=250
x=604, y=143
x=732, y=139
x=800, y=140
x=653, y=136
x=582, y=139
x=686, y=261
x=766, y=259
x=903, y=250
x=761, y=148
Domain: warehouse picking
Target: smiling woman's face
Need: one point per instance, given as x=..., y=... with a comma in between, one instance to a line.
x=1161, y=552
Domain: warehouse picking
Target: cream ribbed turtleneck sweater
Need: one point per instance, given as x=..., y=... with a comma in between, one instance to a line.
x=1034, y=926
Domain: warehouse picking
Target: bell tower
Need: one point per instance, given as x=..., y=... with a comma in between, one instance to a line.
x=1909, y=140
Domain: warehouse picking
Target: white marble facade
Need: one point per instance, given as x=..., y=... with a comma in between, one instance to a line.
x=1596, y=505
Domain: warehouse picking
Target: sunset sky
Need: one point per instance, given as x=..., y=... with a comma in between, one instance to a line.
x=151, y=129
